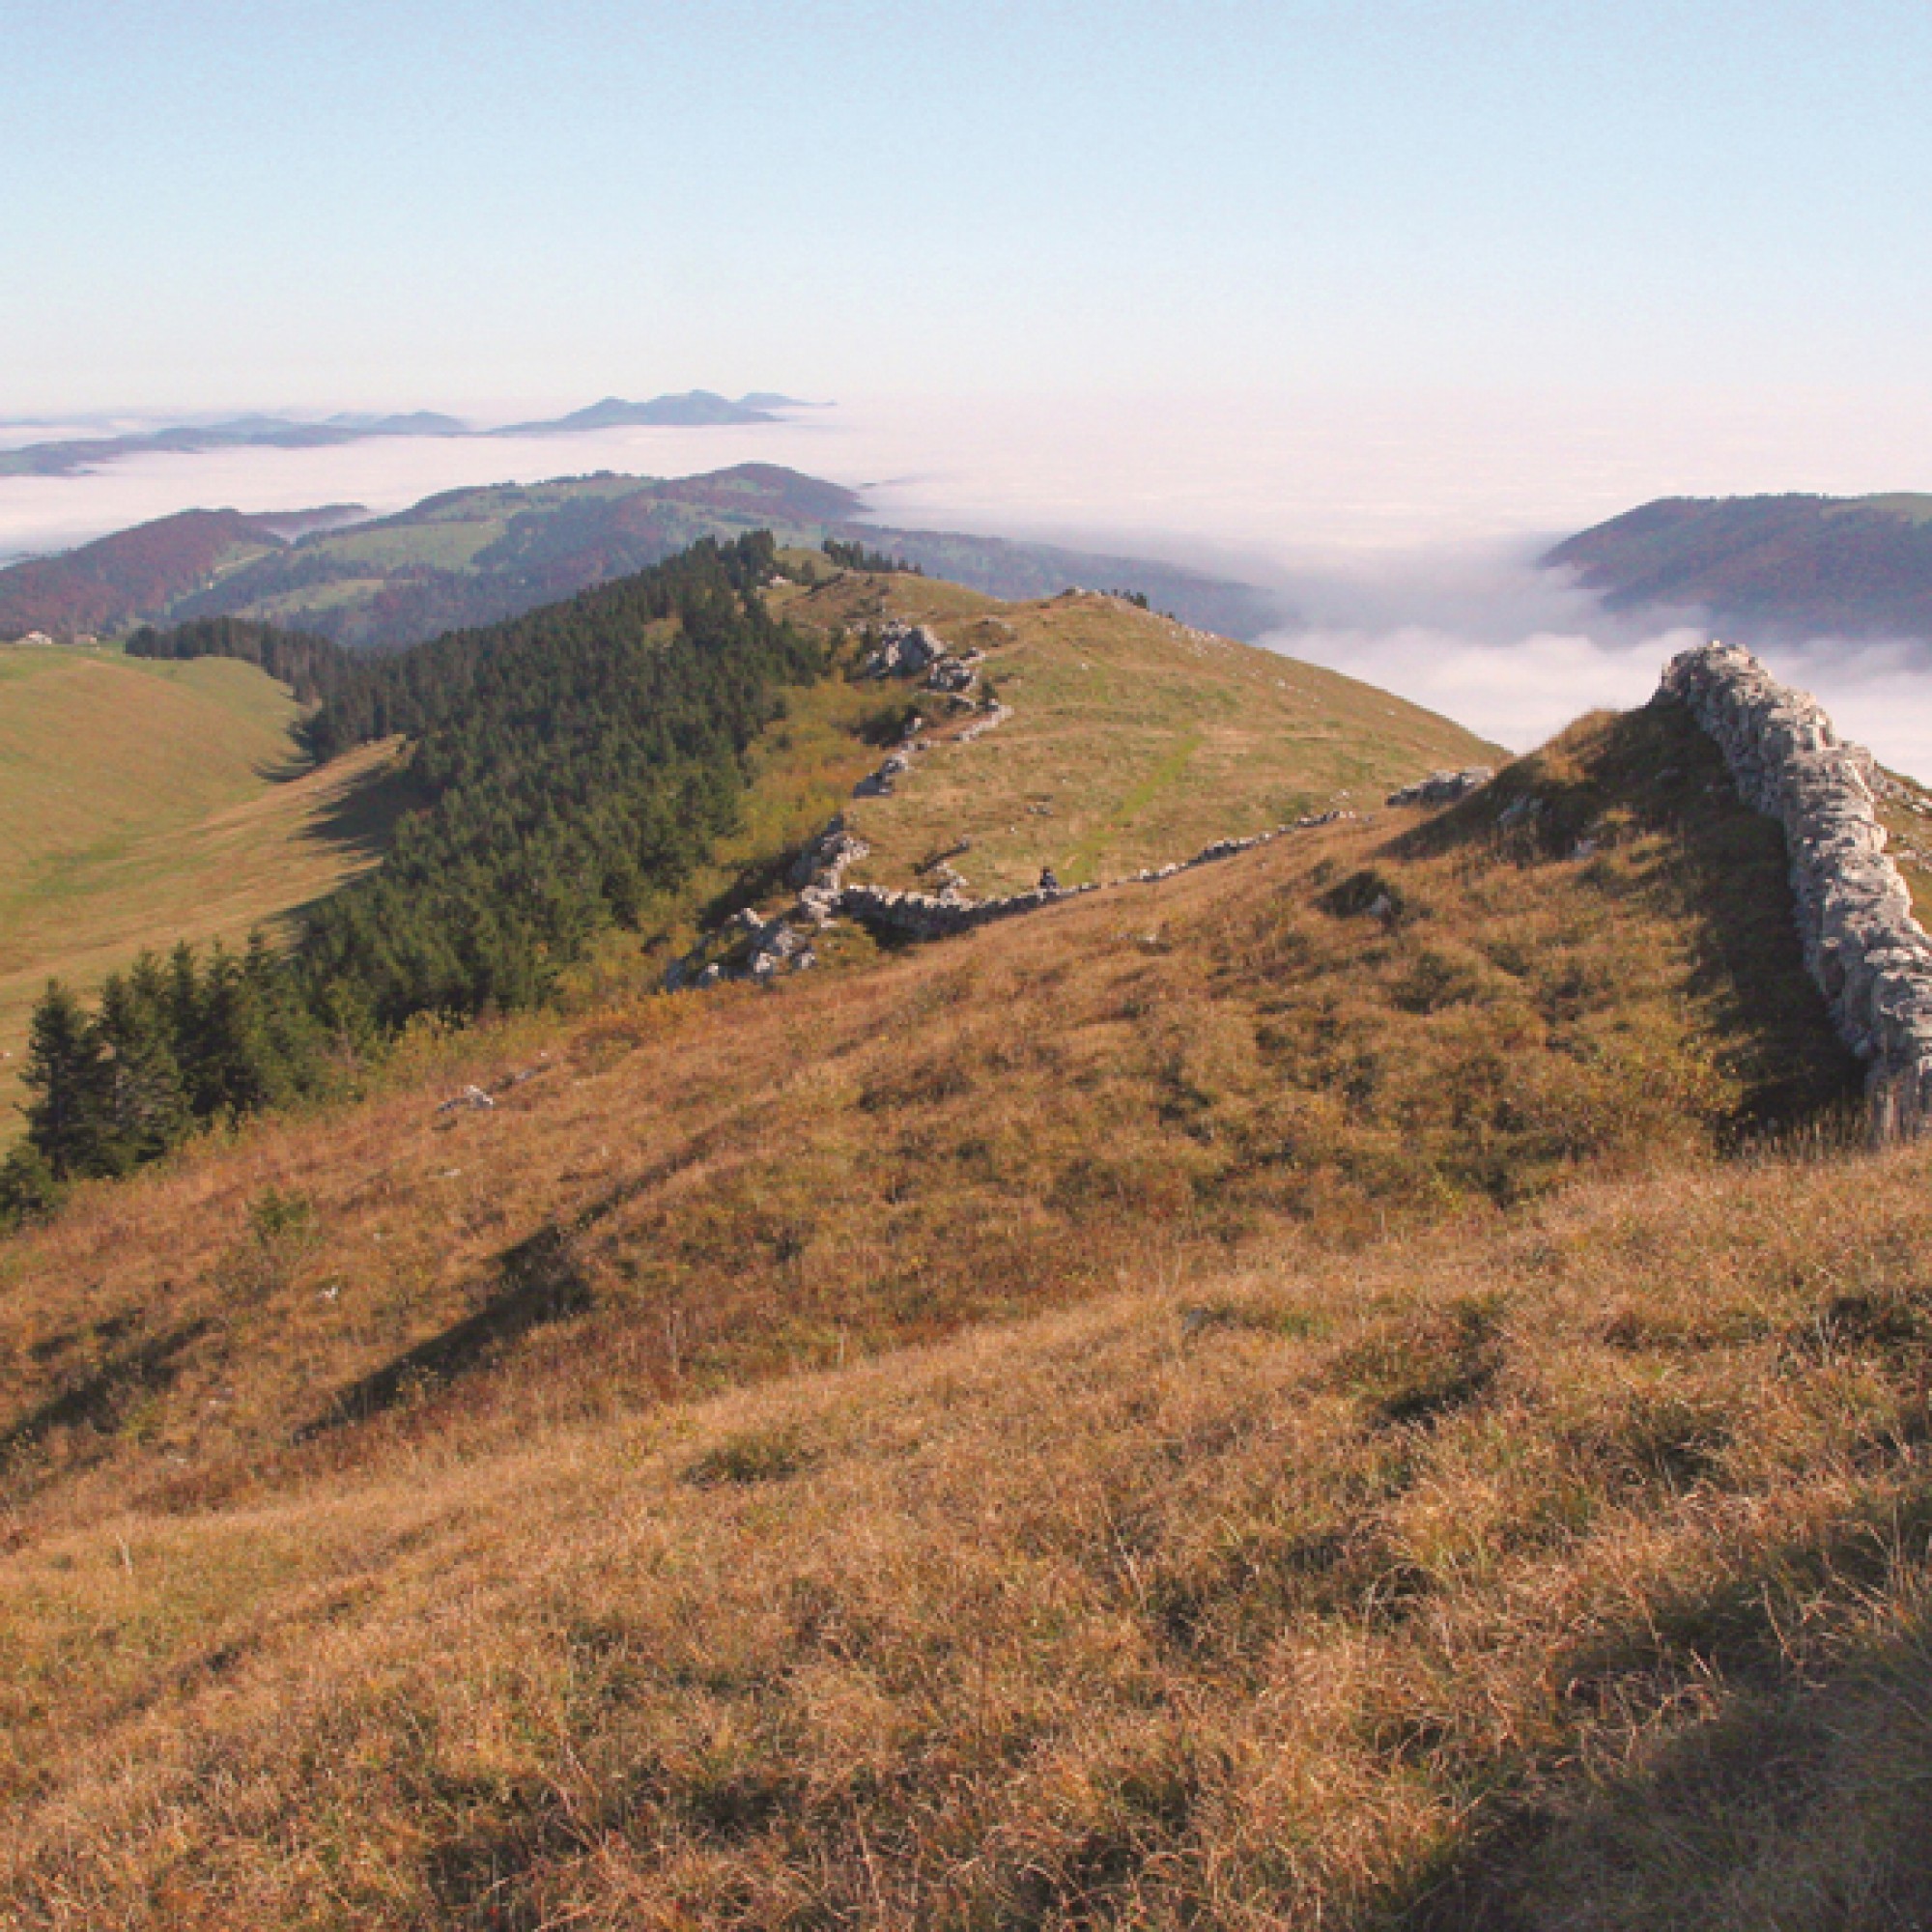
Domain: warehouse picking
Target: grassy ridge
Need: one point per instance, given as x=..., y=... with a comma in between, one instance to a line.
x=143, y=803
x=1360, y=1554
x=727, y=1187
x=1294, y=1396
x=1134, y=741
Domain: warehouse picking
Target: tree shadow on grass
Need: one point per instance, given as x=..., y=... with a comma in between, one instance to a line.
x=361, y=820
x=1653, y=771
x=101, y=1399
x=539, y=1281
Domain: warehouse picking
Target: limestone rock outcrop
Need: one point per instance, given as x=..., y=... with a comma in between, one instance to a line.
x=903, y=650
x=1869, y=955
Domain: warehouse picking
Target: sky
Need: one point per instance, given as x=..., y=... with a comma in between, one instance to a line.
x=212, y=203
x=1367, y=301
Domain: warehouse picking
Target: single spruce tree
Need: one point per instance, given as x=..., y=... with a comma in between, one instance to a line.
x=66, y=1074
x=147, y=1110
x=186, y=1004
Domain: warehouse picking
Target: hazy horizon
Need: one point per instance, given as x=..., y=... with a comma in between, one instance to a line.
x=1403, y=536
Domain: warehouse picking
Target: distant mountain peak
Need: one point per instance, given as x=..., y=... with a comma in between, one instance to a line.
x=695, y=408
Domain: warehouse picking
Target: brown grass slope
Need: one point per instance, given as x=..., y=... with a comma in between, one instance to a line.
x=1281, y=1398
x=696, y=1189
x=1570, y=1577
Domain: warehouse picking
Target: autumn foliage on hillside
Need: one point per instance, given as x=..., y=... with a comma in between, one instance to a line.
x=104, y=586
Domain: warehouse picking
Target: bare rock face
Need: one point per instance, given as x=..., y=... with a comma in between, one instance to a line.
x=1443, y=787
x=1862, y=946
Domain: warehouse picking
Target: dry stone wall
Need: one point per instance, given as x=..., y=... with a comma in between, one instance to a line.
x=931, y=916
x=1867, y=952
x=749, y=946
x=1443, y=787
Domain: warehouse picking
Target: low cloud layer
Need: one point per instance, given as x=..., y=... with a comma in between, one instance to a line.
x=1514, y=652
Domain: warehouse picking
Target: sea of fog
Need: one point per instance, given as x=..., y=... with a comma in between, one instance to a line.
x=1402, y=533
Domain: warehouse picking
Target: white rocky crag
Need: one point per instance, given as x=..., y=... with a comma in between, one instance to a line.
x=912, y=650
x=1872, y=958
x=903, y=650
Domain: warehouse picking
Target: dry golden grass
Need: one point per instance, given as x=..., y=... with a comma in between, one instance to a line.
x=1212, y=1405
x=1133, y=741
x=694, y=1190
x=1569, y=1576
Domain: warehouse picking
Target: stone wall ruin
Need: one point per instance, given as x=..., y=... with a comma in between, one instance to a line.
x=1869, y=954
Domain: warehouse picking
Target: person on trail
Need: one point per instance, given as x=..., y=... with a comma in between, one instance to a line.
x=1047, y=882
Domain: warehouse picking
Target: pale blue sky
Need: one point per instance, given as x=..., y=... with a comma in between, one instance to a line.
x=208, y=203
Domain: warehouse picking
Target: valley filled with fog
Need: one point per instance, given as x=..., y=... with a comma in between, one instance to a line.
x=1400, y=536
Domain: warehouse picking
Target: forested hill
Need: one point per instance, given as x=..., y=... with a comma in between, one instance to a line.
x=473, y=557
x=150, y=568
x=574, y=760
x=1857, y=566
x=571, y=763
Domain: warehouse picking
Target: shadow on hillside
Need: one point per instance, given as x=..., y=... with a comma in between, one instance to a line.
x=361, y=820
x=1800, y=1803
x=538, y=1281
x=1653, y=771
x=285, y=771
x=101, y=1399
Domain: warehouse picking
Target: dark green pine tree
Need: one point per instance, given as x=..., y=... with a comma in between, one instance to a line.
x=255, y=1044
x=28, y=1188
x=185, y=1003
x=66, y=1074
x=236, y=1057
x=147, y=1106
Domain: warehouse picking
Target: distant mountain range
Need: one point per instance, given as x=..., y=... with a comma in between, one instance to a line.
x=1768, y=567
x=695, y=408
x=475, y=555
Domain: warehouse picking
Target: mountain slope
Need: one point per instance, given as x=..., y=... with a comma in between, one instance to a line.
x=1366, y=1382
x=1133, y=741
x=1250, y=1051
x=135, y=574
x=146, y=803
x=476, y=556
x=1461, y=1478
x=1853, y=568
x=1569, y=1576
